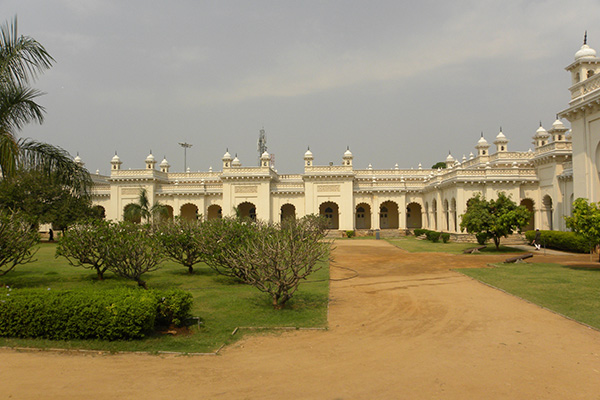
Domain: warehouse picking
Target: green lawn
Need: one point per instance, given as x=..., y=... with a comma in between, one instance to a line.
x=414, y=245
x=222, y=303
x=569, y=291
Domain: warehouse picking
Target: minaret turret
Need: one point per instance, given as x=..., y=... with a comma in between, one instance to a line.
x=265, y=160
x=541, y=137
x=164, y=165
x=150, y=161
x=482, y=146
x=558, y=131
x=115, y=163
x=347, y=158
x=586, y=63
x=308, y=158
x=501, y=142
x=226, y=160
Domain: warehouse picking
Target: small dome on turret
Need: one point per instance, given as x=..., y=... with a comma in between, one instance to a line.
x=308, y=153
x=164, y=162
x=150, y=158
x=500, y=136
x=541, y=131
x=585, y=52
x=226, y=156
x=265, y=156
x=77, y=159
x=236, y=162
x=482, y=140
x=347, y=153
x=450, y=159
x=115, y=159
x=558, y=124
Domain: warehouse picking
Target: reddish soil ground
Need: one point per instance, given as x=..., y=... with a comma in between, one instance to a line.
x=407, y=327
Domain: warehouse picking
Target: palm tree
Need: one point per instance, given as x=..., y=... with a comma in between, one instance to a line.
x=135, y=212
x=22, y=60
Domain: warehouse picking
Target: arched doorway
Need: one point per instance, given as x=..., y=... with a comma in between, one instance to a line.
x=547, y=212
x=247, y=210
x=330, y=211
x=288, y=211
x=413, y=216
x=528, y=203
x=363, y=216
x=214, y=212
x=388, y=215
x=189, y=212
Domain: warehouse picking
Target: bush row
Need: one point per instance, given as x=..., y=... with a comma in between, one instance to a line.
x=114, y=314
x=433, y=235
x=567, y=241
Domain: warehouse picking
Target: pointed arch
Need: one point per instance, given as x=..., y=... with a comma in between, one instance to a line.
x=288, y=211
x=189, y=212
x=214, y=211
x=247, y=210
x=362, y=216
x=529, y=205
x=389, y=215
x=331, y=212
x=413, y=216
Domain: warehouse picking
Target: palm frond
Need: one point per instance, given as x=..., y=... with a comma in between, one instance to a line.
x=54, y=162
x=22, y=58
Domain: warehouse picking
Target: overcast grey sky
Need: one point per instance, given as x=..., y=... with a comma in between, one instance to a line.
x=397, y=81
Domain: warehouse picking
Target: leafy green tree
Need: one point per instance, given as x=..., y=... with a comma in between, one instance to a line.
x=585, y=221
x=85, y=245
x=132, y=250
x=494, y=219
x=440, y=164
x=179, y=242
x=22, y=60
x=17, y=241
x=142, y=210
x=40, y=199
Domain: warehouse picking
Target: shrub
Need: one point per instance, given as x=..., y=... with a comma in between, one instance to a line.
x=350, y=234
x=445, y=237
x=566, y=241
x=113, y=314
x=419, y=231
x=433, y=236
x=173, y=307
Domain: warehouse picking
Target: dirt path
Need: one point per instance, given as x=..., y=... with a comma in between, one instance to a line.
x=406, y=328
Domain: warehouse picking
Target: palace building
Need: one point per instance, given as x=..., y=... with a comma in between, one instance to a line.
x=562, y=166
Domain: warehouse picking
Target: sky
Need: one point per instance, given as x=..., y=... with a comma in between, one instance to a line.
x=397, y=82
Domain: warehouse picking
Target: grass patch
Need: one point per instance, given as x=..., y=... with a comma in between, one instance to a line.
x=414, y=245
x=222, y=303
x=571, y=291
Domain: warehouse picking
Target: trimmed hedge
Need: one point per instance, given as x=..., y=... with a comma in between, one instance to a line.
x=433, y=236
x=114, y=314
x=566, y=241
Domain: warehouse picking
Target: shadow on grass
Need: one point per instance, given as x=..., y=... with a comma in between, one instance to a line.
x=591, y=266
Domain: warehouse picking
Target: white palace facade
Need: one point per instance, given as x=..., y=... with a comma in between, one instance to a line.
x=562, y=166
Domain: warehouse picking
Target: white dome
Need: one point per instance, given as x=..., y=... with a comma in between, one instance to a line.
x=585, y=52
x=500, y=137
x=115, y=159
x=541, y=132
x=77, y=159
x=308, y=154
x=265, y=155
x=164, y=163
x=236, y=162
x=482, y=141
x=450, y=158
x=348, y=153
x=150, y=158
x=558, y=124
x=227, y=156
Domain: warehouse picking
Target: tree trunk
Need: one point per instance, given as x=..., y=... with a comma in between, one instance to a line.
x=141, y=283
x=497, y=243
x=190, y=269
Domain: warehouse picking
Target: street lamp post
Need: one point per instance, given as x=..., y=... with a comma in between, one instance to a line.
x=185, y=147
